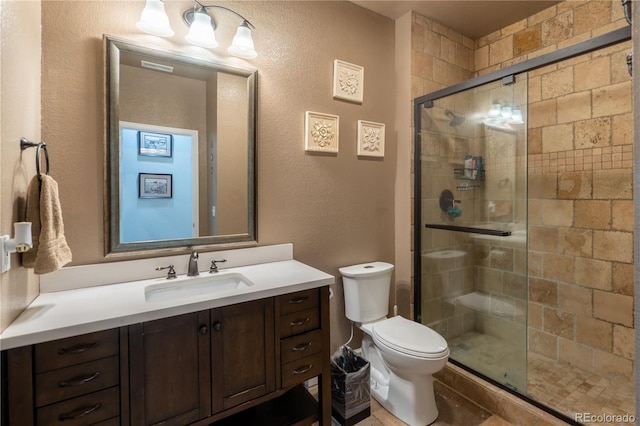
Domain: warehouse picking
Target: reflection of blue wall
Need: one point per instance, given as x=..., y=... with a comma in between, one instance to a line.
x=144, y=219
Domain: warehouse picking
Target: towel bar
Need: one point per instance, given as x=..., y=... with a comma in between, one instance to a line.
x=26, y=143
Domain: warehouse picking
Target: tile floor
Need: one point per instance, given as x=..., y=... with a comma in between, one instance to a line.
x=563, y=387
x=455, y=410
x=572, y=390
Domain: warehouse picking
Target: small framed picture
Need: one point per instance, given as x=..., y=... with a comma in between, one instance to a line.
x=370, y=139
x=348, y=81
x=321, y=132
x=155, y=185
x=155, y=144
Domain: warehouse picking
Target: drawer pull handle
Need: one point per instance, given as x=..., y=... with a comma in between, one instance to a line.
x=298, y=300
x=302, y=370
x=79, y=381
x=299, y=323
x=301, y=347
x=78, y=349
x=80, y=413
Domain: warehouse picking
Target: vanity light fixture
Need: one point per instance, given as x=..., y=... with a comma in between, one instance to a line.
x=499, y=113
x=494, y=111
x=502, y=117
x=202, y=27
x=21, y=243
x=154, y=19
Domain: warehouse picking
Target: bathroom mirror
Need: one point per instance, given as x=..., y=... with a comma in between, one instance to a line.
x=180, y=154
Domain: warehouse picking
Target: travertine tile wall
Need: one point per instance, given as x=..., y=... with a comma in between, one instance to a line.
x=581, y=212
x=579, y=171
x=580, y=133
x=440, y=57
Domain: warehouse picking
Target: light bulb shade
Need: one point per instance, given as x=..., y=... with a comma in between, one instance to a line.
x=494, y=111
x=154, y=19
x=516, y=117
x=506, y=112
x=201, y=31
x=242, y=44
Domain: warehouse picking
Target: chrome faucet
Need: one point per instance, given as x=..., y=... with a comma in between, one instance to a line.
x=193, y=265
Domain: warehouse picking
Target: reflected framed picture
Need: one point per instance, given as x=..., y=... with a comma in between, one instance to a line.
x=155, y=144
x=155, y=185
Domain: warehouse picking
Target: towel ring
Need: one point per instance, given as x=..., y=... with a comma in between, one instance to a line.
x=25, y=143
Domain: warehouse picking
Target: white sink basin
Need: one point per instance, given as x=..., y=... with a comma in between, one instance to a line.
x=203, y=285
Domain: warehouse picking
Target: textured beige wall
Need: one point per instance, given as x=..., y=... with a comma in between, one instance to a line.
x=19, y=117
x=336, y=209
x=404, y=174
x=232, y=156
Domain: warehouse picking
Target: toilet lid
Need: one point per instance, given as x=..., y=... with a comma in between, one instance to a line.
x=410, y=337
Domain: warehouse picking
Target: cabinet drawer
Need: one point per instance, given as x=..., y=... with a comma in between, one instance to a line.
x=300, y=346
x=69, y=382
x=299, y=301
x=82, y=411
x=299, y=322
x=303, y=369
x=76, y=350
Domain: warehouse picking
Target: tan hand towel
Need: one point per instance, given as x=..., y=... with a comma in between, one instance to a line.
x=50, y=250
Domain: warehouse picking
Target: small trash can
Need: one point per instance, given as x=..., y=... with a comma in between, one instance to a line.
x=350, y=388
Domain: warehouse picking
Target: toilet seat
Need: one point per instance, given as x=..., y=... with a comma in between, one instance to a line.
x=410, y=338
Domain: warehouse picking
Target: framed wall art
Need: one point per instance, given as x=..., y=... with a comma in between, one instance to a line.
x=348, y=81
x=155, y=144
x=370, y=139
x=155, y=185
x=321, y=132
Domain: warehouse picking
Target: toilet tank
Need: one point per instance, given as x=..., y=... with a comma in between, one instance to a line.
x=366, y=291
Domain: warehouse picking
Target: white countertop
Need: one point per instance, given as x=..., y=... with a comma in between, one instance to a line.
x=69, y=313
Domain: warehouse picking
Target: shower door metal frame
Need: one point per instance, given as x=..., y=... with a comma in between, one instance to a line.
x=506, y=74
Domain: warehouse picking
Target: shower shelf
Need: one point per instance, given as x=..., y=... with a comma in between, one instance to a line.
x=466, y=174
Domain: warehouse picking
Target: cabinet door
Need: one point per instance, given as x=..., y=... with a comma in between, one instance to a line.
x=242, y=351
x=170, y=370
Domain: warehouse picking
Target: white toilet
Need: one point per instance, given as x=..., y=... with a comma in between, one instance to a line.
x=403, y=354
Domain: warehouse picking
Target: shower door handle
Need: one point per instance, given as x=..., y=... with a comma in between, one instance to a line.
x=469, y=230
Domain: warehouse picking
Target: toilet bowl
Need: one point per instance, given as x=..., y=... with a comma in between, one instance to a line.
x=403, y=354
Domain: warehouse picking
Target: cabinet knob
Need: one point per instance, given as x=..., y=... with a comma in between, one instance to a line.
x=203, y=330
x=217, y=326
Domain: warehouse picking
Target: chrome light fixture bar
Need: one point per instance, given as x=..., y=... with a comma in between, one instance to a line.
x=202, y=30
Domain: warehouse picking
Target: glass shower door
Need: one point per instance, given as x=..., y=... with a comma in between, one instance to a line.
x=473, y=233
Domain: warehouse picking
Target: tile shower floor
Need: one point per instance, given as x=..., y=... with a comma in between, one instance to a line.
x=563, y=387
x=454, y=410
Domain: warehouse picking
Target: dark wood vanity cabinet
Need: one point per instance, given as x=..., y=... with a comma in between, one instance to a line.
x=187, y=368
x=239, y=364
x=74, y=381
x=169, y=370
x=242, y=353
